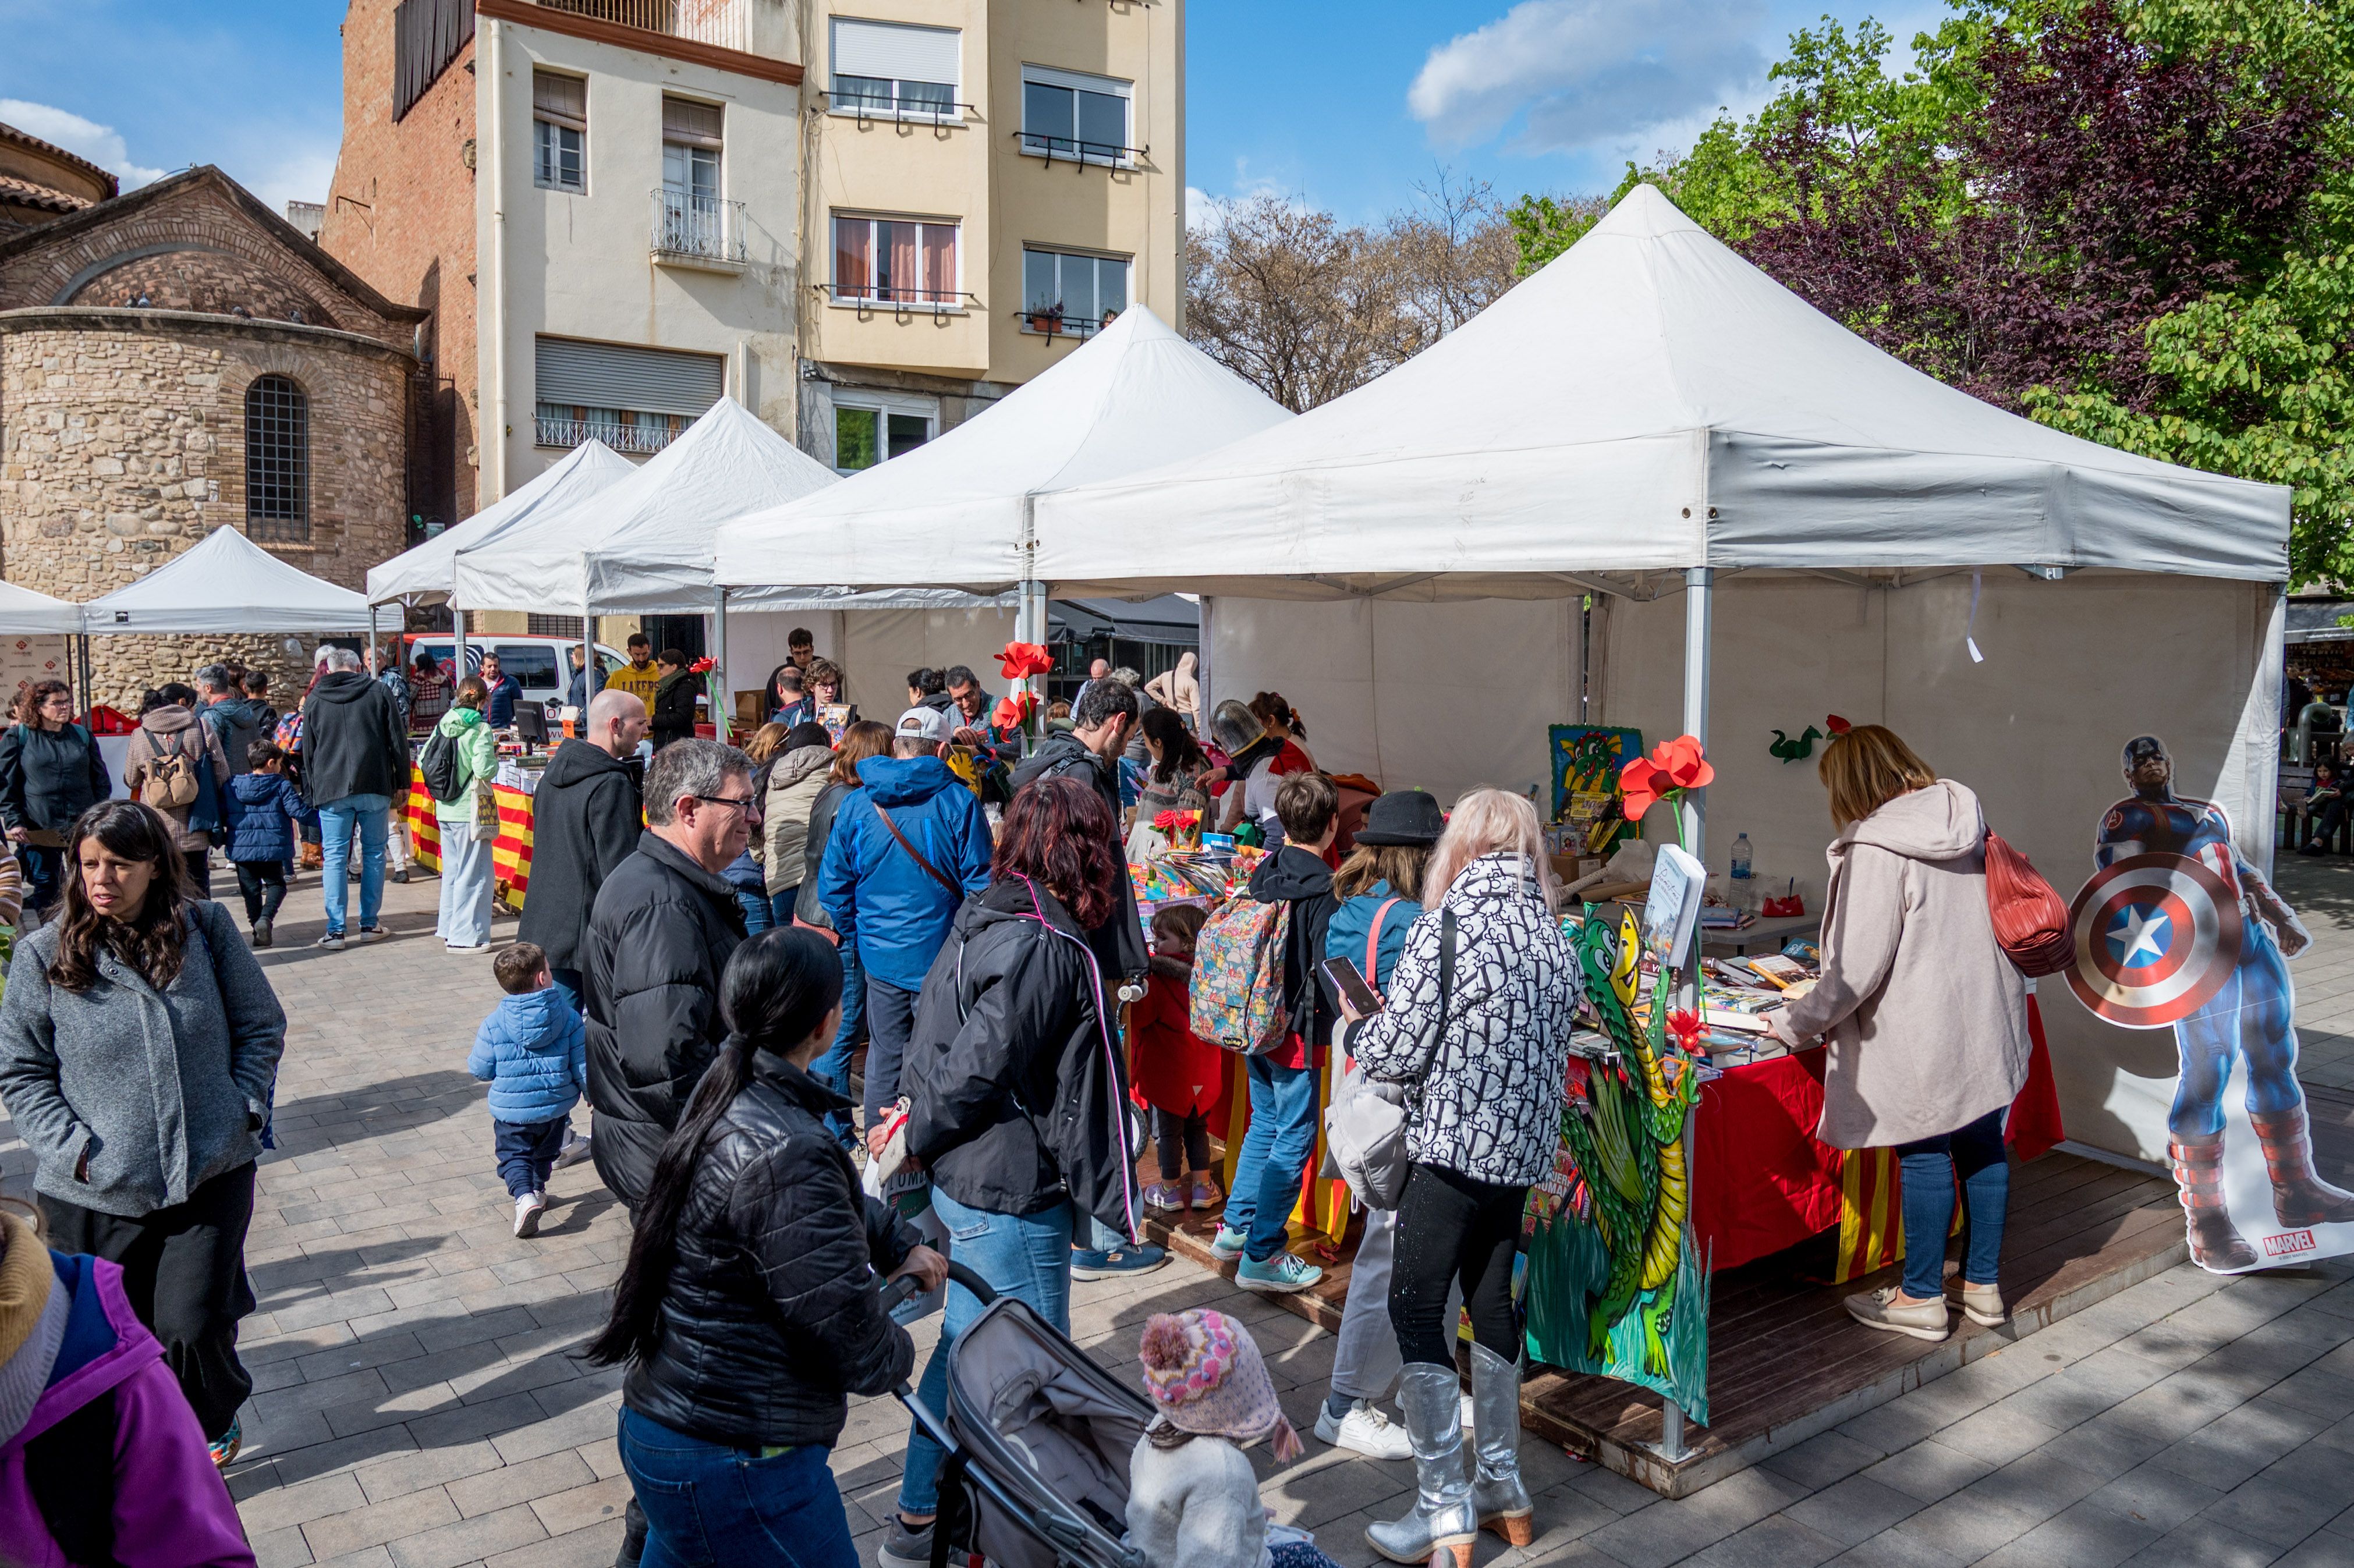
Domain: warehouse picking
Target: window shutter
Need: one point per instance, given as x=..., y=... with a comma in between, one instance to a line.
x=896, y=52
x=427, y=35
x=695, y=124
x=562, y=98
x=614, y=375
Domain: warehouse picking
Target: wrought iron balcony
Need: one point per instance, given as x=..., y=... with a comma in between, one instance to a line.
x=890, y=297
x=1052, y=321
x=1074, y=150
x=635, y=438
x=695, y=230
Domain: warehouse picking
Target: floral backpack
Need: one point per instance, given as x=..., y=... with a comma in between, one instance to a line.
x=1236, y=1001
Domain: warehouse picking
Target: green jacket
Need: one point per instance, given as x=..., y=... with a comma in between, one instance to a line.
x=477, y=758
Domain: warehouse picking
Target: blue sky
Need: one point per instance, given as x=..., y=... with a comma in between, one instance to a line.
x=1345, y=105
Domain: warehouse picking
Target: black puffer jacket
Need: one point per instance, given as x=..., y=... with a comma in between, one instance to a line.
x=583, y=823
x=1019, y=1097
x=663, y=930
x=1118, y=942
x=673, y=710
x=772, y=1319
x=49, y=777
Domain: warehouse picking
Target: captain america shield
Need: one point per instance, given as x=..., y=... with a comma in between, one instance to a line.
x=2156, y=935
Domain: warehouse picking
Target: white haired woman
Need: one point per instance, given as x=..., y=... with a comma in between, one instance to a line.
x=1481, y=1007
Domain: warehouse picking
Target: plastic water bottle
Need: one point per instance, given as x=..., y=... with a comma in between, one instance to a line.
x=1741, y=858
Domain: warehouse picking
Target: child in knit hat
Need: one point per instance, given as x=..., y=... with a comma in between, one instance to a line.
x=1192, y=1498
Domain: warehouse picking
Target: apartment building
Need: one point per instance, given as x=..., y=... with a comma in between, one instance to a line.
x=864, y=219
x=990, y=181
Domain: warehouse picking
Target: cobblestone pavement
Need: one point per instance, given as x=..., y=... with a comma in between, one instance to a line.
x=418, y=1402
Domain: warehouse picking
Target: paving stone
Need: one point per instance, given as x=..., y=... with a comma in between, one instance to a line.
x=519, y=1483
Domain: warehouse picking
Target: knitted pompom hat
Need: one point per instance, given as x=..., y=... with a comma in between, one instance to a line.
x=1203, y=1371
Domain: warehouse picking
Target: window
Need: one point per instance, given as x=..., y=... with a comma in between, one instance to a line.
x=884, y=68
x=1074, y=295
x=426, y=35
x=277, y=461
x=560, y=131
x=1065, y=114
x=533, y=665
x=633, y=399
x=894, y=260
x=552, y=625
x=690, y=218
x=866, y=433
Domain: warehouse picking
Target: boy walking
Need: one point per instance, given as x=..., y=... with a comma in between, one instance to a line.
x=264, y=809
x=533, y=1049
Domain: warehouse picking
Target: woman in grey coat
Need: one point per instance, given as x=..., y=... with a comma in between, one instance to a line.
x=139, y=1044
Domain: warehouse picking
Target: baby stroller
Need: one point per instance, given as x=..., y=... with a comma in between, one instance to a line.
x=1038, y=1439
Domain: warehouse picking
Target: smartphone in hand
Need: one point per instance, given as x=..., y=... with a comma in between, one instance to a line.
x=1362, y=999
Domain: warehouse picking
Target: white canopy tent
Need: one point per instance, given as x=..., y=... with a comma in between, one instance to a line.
x=957, y=510
x=424, y=575
x=1651, y=416
x=228, y=583
x=23, y=612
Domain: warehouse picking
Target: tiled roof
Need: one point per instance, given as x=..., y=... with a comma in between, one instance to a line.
x=20, y=192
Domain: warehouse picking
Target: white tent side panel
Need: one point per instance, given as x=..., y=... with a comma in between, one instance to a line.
x=2073, y=670
x=879, y=647
x=1430, y=696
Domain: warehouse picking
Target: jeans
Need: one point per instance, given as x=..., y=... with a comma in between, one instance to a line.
x=1274, y=1155
x=1453, y=1229
x=833, y=1068
x=200, y=871
x=43, y=875
x=890, y=1019
x=1027, y=1257
x=263, y=884
x=781, y=908
x=1974, y=1153
x=569, y=982
x=184, y=1270
x=370, y=817
x=757, y=915
x=707, y=1505
x=526, y=1152
x=466, y=886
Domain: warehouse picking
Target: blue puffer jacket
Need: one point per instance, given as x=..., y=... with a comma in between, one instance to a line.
x=896, y=911
x=263, y=810
x=1352, y=922
x=535, y=1051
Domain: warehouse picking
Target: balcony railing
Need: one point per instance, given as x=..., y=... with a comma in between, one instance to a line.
x=887, y=297
x=697, y=231
x=1052, y=321
x=884, y=106
x=725, y=24
x=635, y=438
x=1072, y=149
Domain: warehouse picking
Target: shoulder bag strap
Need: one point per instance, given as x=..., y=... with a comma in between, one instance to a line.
x=917, y=855
x=1373, y=944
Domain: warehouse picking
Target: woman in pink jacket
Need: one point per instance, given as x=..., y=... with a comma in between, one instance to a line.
x=101, y=1458
x=1926, y=1017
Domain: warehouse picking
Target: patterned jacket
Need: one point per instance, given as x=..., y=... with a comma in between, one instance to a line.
x=1488, y=1106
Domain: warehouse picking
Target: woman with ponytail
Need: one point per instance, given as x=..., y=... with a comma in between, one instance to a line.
x=748, y=1310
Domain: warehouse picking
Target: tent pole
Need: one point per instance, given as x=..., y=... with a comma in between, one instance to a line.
x=1698, y=590
x=719, y=714
x=594, y=676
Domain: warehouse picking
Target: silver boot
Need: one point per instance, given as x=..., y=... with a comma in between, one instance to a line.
x=1498, y=1496
x=1443, y=1518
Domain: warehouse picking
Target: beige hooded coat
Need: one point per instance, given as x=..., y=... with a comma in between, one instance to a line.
x=1926, y=1017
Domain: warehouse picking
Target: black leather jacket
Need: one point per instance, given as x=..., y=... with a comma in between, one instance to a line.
x=772, y=1318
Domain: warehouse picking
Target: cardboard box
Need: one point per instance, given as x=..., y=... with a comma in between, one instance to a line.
x=747, y=709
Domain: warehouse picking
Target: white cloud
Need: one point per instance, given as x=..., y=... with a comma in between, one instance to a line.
x=1200, y=210
x=1584, y=73
x=101, y=144
x=299, y=175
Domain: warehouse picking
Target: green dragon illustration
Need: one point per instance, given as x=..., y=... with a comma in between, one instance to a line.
x=1626, y=1139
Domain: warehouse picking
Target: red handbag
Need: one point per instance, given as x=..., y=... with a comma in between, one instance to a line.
x=2030, y=918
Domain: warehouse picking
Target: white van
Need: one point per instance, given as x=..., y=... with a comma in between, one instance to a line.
x=542, y=666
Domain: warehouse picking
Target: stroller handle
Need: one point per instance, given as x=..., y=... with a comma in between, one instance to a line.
x=906, y=1286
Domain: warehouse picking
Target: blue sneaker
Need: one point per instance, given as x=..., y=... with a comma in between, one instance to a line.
x=1115, y=1262
x=1228, y=1243
x=1278, y=1275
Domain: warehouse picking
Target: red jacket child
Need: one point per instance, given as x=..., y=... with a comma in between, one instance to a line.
x=1183, y=1077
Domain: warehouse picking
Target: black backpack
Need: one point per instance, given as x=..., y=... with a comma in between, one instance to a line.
x=440, y=765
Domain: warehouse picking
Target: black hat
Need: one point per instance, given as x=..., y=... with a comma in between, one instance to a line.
x=1403, y=817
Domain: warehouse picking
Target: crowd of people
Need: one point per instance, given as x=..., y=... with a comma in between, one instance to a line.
x=849, y=1006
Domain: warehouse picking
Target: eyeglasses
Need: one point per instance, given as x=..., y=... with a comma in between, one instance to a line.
x=748, y=804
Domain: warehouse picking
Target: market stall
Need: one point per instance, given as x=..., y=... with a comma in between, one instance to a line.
x=1657, y=490
x=510, y=852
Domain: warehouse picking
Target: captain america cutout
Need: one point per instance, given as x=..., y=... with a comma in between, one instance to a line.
x=2177, y=929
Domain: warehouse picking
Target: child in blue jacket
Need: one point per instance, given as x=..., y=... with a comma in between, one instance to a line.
x=533, y=1050
x=263, y=809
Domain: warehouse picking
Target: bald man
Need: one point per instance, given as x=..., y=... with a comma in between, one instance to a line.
x=584, y=822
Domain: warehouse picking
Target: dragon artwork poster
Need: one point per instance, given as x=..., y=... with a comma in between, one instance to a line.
x=1587, y=760
x=1614, y=1285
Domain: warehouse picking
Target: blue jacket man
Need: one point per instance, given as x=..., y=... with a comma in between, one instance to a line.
x=895, y=909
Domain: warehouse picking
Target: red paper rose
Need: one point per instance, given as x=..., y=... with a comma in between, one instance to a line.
x=1015, y=711
x=1673, y=766
x=702, y=667
x=1019, y=661
x=1837, y=724
x=1684, y=1028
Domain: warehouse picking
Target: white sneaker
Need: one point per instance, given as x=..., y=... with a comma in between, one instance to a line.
x=1364, y=1430
x=575, y=1151
x=529, y=1208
